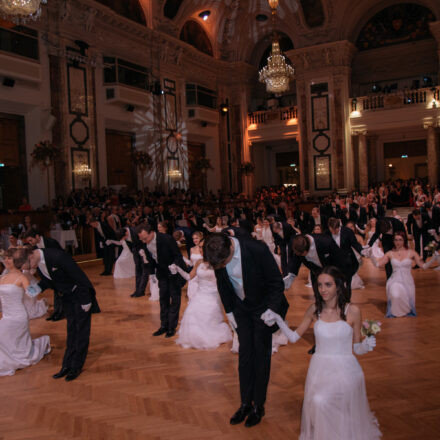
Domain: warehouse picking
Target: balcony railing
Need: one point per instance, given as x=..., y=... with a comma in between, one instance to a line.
x=270, y=116
x=396, y=100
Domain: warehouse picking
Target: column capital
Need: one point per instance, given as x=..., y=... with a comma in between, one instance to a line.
x=431, y=124
x=323, y=56
x=359, y=132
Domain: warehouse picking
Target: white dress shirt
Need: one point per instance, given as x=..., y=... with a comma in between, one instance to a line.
x=235, y=271
x=40, y=244
x=152, y=247
x=337, y=238
x=312, y=255
x=42, y=265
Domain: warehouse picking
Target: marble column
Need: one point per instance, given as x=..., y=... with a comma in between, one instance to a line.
x=363, y=162
x=432, y=154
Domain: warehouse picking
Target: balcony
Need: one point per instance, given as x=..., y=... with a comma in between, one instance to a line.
x=273, y=124
x=128, y=96
x=392, y=110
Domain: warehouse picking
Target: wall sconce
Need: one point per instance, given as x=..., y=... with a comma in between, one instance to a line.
x=224, y=108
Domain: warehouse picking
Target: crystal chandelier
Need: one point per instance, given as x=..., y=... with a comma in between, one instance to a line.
x=83, y=170
x=19, y=10
x=277, y=73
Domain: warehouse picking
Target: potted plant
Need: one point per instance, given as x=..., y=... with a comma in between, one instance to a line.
x=247, y=168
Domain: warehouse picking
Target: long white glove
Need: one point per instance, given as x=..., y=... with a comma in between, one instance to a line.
x=269, y=317
x=143, y=255
x=288, y=280
x=232, y=321
x=33, y=290
x=429, y=263
x=109, y=242
x=188, y=262
x=365, y=346
x=174, y=268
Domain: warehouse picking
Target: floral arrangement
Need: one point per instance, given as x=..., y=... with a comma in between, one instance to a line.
x=247, y=168
x=141, y=158
x=45, y=153
x=431, y=247
x=203, y=164
x=370, y=327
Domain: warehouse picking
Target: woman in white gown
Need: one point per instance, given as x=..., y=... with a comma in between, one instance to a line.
x=124, y=266
x=401, y=290
x=195, y=255
x=203, y=326
x=370, y=230
x=17, y=349
x=335, y=399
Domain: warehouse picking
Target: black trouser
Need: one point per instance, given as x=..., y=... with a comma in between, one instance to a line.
x=254, y=354
x=109, y=258
x=142, y=272
x=57, y=304
x=169, y=300
x=78, y=335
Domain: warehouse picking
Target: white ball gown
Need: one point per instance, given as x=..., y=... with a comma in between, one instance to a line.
x=202, y=324
x=401, y=290
x=17, y=349
x=124, y=266
x=335, y=401
x=192, y=284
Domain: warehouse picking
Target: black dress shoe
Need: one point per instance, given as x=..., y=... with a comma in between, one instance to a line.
x=160, y=331
x=58, y=317
x=240, y=414
x=255, y=416
x=312, y=350
x=63, y=372
x=73, y=374
x=137, y=295
x=170, y=333
x=50, y=317
x=105, y=274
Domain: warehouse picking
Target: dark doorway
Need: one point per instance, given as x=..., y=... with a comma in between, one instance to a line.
x=13, y=167
x=120, y=168
x=197, y=179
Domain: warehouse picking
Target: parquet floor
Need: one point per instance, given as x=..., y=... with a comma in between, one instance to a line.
x=136, y=386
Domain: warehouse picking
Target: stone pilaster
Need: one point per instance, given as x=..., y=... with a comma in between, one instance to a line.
x=432, y=153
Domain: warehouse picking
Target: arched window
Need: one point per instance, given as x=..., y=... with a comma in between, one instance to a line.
x=171, y=8
x=396, y=24
x=128, y=8
x=313, y=12
x=285, y=45
x=194, y=34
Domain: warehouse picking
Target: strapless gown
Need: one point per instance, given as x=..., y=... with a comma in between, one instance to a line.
x=17, y=349
x=335, y=400
x=203, y=325
x=401, y=290
x=192, y=284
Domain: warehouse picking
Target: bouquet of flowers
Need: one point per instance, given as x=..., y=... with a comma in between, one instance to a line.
x=203, y=164
x=247, y=168
x=45, y=154
x=142, y=159
x=431, y=247
x=370, y=327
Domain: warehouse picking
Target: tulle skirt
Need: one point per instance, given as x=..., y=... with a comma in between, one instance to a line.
x=35, y=308
x=335, y=401
x=203, y=325
x=192, y=287
x=124, y=266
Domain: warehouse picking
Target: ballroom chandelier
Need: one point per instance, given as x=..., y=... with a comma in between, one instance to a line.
x=21, y=9
x=83, y=170
x=277, y=73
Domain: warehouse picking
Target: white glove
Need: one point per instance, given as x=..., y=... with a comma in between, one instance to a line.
x=429, y=263
x=143, y=255
x=269, y=317
x=254, y=234
x=108, y=242
x=365, y=346
x=366, y=252
x=431, y=231
x=188, y=262
x=288, y=280
x=173, y=269
x=86, y=307
x=232, y=321
x=185, y=275
x=205, y=225
x=33, y=290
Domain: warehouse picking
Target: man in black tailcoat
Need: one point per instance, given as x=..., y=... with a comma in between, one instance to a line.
x=161, y=251
x=59, y=272
x=249, y=283
x=38, y=241
x=142, y=268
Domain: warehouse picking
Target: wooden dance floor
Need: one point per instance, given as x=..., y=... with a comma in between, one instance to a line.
x=136, y=386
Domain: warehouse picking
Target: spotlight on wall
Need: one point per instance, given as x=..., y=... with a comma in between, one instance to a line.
x=8, y=82
x=204, y=15
x=224, y=108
